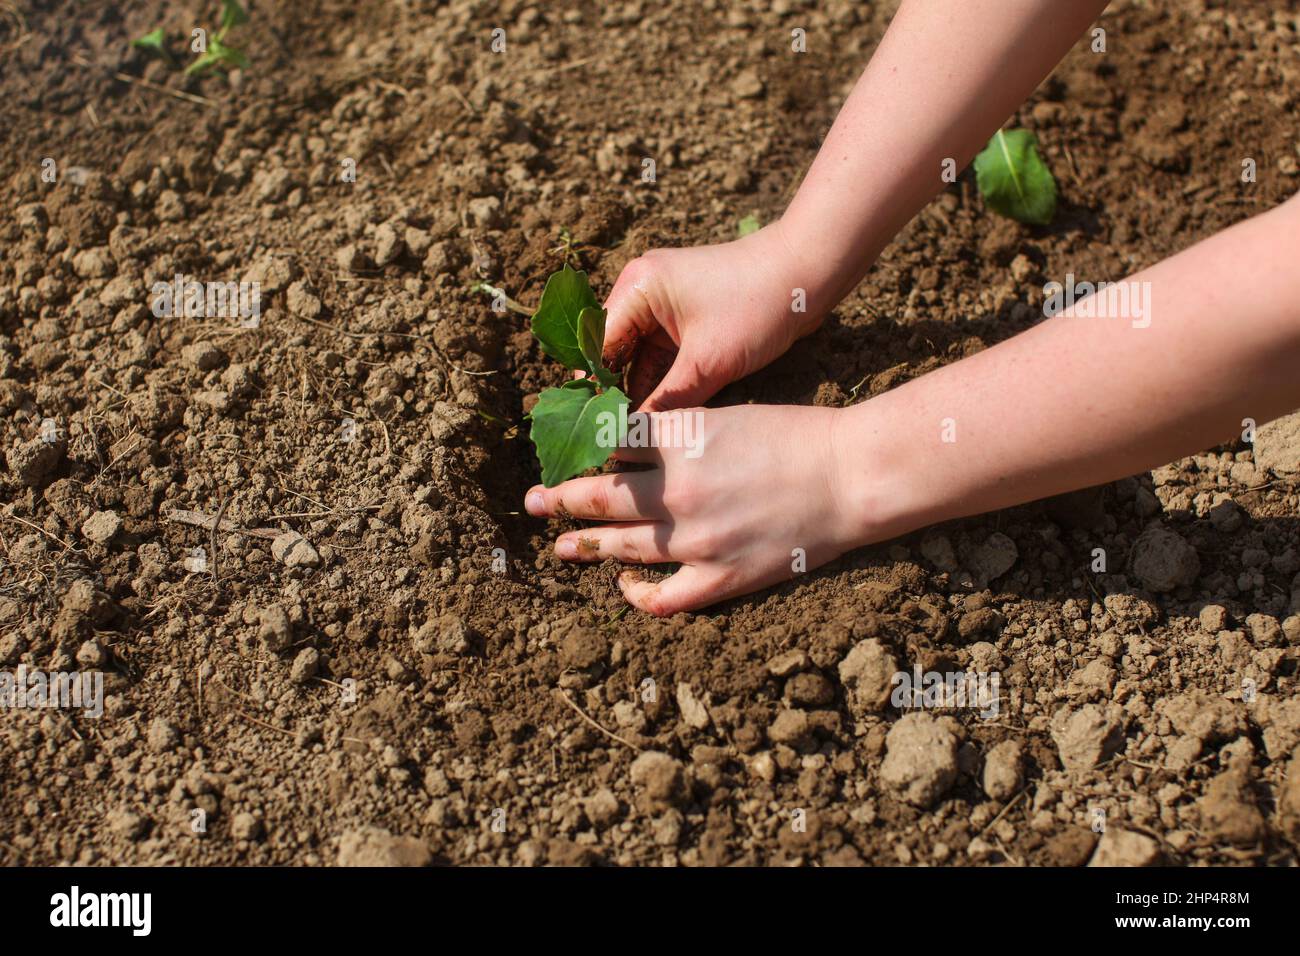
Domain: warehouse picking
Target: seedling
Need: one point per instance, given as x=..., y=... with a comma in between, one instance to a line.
x=1014, y=180
x=500, y=301
x=578, y=425
x=749, y=224
x=568, y=246
x=155, y=42
x=218, y=52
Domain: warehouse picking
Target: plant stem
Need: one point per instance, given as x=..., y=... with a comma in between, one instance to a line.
x=510, y=303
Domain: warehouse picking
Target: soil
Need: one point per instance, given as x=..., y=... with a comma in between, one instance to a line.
x=411, y=676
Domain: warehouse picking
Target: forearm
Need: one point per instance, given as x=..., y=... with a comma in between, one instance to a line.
x=1078, y=401
x=942, y=81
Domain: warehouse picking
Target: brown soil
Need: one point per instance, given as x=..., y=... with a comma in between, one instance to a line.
x=226, y=685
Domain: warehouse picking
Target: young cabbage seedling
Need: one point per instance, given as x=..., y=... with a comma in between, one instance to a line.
x=1014, y=180
x=578, y=425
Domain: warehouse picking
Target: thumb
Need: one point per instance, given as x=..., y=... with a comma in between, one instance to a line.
x=630, y=311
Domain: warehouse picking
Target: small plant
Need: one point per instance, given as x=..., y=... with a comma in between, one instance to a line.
x=155, y=42
x=572, y=424
x=217, y=52
x=1014, y=180
x=748, y=225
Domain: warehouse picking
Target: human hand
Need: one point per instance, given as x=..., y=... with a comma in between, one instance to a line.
x=738, y=492
x=694, y=320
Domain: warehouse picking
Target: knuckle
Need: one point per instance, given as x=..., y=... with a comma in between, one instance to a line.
x=710, y=547
x=680, y=498
x=640, y=269
x=598, y=501
x=632, y=550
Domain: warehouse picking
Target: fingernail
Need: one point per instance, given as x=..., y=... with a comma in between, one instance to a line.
x=534, y=503
x=566, y=548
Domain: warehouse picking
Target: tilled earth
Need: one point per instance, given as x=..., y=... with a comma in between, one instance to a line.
x=374, y=657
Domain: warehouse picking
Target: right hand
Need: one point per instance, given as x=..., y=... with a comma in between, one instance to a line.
x=694, y=320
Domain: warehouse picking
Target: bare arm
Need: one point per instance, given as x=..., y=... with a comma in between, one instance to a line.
x=1079, y=401
x=945, y=77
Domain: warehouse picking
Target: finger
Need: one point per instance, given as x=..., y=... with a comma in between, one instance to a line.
x=630, y=314
x=685, y=386
x=644, y=542
x=690, y=588
x=630, y=496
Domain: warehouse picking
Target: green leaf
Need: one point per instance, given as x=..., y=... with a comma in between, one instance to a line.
x=218, y=54
x=232, y=15
x=556, y=321
x=1014, y=180
x=576, y=428
x=747, y=225
x=605, y=377
x=228, y=55
x=234, y=57
x=591, y=336
x=155, y=42
x=206, y=62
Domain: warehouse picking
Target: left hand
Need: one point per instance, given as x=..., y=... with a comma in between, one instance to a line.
x=756, y=483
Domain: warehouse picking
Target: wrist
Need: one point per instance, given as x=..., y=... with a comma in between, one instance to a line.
x=877, y=478
x=806, y=292
x=823, y=264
